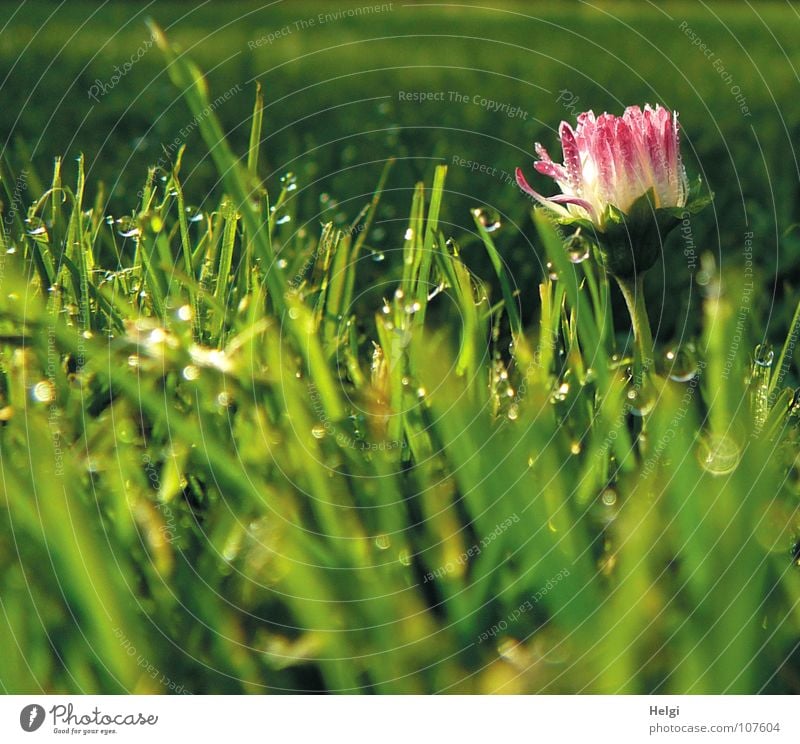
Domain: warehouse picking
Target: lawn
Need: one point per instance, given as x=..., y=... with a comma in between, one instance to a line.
x=298, y=393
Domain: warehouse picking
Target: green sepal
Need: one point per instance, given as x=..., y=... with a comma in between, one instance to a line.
x=629, y=243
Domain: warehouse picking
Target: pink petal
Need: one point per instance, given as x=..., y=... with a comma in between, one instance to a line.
x=572, y=157
x=548, y=168
x=555, y=202
x=525, y=186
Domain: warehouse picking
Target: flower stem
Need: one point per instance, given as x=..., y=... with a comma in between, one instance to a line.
x=633, y=292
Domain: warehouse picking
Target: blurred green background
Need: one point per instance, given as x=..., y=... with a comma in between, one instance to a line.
x=171, y=562
x=334, y=110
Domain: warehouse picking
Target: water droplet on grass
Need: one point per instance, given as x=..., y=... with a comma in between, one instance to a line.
x=680, y=363
x=578, y=248
x=383, y=542
x=488, y=218
x=289, y=181
x=318, y=431
x=44, y=392
x=36, y=228
x=640, y=400
x=718, y=454
x=193, y=214
x=127, y=227
x=764, y=355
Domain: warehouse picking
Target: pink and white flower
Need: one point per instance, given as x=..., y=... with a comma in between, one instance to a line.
x=611, y=161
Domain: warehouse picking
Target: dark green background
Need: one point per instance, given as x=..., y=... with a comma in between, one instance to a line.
x=333, y=111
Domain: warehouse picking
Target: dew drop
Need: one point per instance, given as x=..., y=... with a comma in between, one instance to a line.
x=578, y=248
x=551, y=272
x=561, y=393
x=44, y=392
x=157, y=336
x=680, y=363
x=127, y=227
x=609, y=497
x=718, y=454
x=488, y=218
x=193, y=214
x=640, y=400
x=318, y=431
x=191, y=372
x=185, y=313
x=764, y=355
x=36, y=228
x=289, y=181
x=383, y=542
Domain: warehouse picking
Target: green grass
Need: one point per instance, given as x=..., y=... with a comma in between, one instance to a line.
x=238, y=458
x=333, y=111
